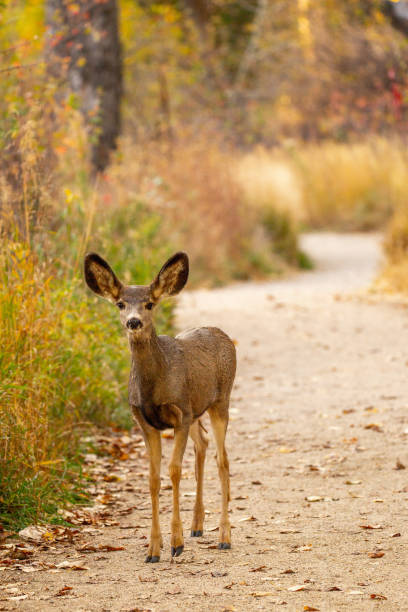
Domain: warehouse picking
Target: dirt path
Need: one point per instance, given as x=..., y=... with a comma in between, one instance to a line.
x=319, y=418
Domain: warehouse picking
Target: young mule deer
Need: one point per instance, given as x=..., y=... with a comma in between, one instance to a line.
x=173, y=381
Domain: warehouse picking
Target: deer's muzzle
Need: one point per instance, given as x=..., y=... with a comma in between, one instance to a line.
x=134, y=323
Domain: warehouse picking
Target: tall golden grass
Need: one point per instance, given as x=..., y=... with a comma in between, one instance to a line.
x=340, y=186
x=193, y=186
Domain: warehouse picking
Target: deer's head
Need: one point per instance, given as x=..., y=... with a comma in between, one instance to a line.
x=136, y=302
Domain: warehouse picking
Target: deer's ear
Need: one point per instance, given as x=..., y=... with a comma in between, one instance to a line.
x=171, y=278
x=100, y=277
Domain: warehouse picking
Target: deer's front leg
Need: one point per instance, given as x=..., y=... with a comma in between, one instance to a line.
x=180, y=441
x=153, y=444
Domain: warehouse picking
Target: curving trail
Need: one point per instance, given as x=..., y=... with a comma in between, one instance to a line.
x=319, y=418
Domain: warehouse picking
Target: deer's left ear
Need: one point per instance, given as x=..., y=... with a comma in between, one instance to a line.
x=171, y=278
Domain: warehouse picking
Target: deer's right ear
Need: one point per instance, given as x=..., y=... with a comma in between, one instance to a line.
x=100, y=277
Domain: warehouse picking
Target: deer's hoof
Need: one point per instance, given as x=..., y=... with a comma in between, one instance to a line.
x=176, y=552
x=224, y=545
x=196, y=534
x=150, y=559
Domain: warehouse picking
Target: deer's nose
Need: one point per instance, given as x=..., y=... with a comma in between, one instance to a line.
x=133, y=323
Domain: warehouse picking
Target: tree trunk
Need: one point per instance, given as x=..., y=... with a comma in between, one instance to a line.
x=200, y=12
x=86, y=36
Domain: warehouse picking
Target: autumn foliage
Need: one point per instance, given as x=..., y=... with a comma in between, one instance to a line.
x=239, y=125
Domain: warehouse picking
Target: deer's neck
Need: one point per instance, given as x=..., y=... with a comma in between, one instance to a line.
x=148, y=362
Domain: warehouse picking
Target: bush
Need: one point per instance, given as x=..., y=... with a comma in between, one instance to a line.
x=63, y=367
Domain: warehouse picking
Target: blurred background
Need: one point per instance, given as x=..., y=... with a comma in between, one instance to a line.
x=136, y=128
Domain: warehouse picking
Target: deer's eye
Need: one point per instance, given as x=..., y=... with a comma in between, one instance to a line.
x=120, y=305
x=149, y=305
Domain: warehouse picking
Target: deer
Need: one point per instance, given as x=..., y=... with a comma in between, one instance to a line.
x=173, y=382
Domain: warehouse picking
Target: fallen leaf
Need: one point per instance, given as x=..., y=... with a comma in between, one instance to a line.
x=262, y=594
x=374, y=427
x=334, y=588
x=247, y=518
x=399, y=465
x=311, y=609
x=109, y=548
x=105, y=499
x=313, y=498
x=378, y=596
x=256, y=482
x=396, y=535
x=175, y=591
x=353, y=482
x=297, y=587
x=87, y=548
x=371, y=527
x=371, y=409
x=64, y=591
x=111, y=478
x=33, y=532
x=288, y=571
x=258, y=569
x=376, y=555
x=69, y=565
x=148, y=579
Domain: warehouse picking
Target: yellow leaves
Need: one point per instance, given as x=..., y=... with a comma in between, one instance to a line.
x=73, y=8
x=69, y=196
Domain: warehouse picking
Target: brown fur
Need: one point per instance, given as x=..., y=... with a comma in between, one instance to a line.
x=173, y=381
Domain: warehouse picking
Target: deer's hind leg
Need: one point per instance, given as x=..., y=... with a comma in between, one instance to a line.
x=200, y=447
x=219, y=421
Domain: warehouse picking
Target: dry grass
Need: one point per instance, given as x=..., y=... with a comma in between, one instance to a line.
x=330, y=185
x=394, y=276
x=193, y=186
